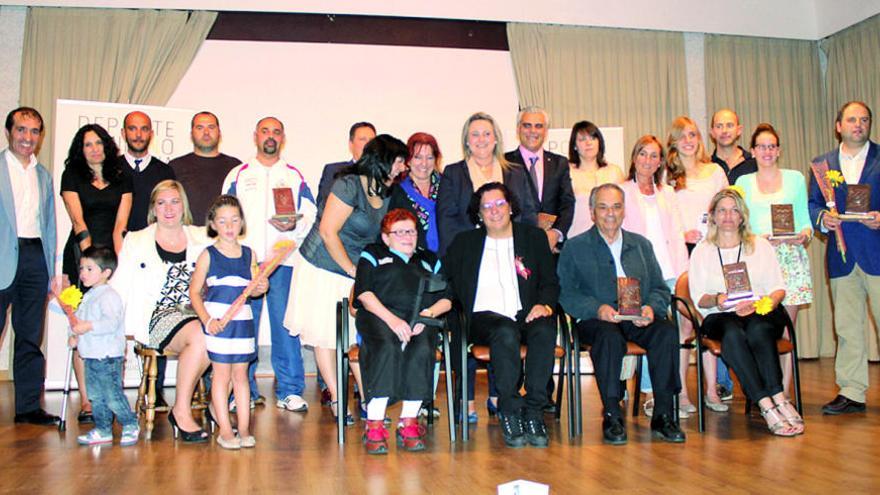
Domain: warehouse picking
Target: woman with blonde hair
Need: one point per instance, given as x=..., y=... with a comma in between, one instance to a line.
x=747, y=327
x=483, y=150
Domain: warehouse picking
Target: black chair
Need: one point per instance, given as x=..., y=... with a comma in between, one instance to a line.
x=687, y=309
x=481, y=353
x=346, y=353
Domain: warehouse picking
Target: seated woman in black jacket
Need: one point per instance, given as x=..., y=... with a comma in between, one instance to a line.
x=397, y=352
x=504, y=276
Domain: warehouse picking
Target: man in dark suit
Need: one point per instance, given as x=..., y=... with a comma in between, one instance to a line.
x=27, y=245
x=589, y=267
x=856, y=278
x=550, y=179
x=146, y=171
x=359, y=135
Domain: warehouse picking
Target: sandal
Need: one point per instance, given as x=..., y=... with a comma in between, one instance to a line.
x=777, y=424
x=788, y=411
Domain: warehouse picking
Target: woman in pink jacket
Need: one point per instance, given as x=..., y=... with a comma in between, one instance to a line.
x=652, y=210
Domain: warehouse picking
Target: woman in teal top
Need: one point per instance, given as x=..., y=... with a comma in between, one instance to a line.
x=771, y=185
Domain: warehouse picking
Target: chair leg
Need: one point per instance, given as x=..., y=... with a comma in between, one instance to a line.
x=450, y=392
x=142, y=388
x=578, y=406
x=560, y=384
x=341, y=307
x=796, y=378
x=637, y=389
x=701, y=412
x=153, y=371
x=463, y=381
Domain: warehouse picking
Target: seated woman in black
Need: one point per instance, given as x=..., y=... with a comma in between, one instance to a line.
x=397, y=360
x=505, y=278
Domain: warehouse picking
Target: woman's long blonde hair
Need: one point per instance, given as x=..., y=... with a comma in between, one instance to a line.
x=675, y=173
x=745, y=231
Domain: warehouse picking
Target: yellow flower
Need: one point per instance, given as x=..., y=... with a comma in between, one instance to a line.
x=834, y=177
x=739, y=190
x=763, y=305
x=71, y=296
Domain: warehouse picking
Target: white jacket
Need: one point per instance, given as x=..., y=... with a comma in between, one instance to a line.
x=252, y=184
x=141, y=274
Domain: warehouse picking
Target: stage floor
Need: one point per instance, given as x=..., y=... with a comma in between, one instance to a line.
x=298, y=453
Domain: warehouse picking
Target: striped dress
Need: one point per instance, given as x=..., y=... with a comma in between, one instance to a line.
x=226, y=278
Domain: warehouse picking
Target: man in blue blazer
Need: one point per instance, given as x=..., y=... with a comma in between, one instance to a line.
x=27, y=248
x=359, y=135
x=548, y=172
x=856, y=278
x=589, y=267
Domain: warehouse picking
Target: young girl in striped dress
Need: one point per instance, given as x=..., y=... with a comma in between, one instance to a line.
x=223, y=271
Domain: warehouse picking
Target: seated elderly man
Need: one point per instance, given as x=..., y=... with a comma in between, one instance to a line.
x=589, y=270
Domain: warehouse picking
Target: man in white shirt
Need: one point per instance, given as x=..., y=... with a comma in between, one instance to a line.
x=261, y=184
x=27, y=246
x=855, y=278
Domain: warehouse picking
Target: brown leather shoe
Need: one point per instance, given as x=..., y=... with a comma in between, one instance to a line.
x=843, y=405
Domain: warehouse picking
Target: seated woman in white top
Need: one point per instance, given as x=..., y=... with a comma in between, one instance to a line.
x=748, y=329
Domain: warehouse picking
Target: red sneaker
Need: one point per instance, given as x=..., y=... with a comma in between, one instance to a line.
x=376, y=437
x=410, y=435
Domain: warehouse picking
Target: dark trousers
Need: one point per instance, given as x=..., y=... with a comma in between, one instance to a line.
x=748, y=345
x=608, y=341
x=504, y=337
x=387, y=370
x=27, y=295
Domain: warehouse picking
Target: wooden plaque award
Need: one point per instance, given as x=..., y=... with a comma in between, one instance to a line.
x=285, y=206
x=739, y=287
x=782, y=221
x=629, y=300
x=858, y=202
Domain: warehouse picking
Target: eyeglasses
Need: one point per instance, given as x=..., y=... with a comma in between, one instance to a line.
x=403, y=232
x=498, y=203
x=766, y=147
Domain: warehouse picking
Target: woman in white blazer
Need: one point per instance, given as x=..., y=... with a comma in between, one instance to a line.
x=152, y=278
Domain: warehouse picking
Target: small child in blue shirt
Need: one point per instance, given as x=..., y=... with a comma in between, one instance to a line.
x=100, y=338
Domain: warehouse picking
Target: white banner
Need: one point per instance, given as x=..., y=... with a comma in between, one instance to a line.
x=171, y=138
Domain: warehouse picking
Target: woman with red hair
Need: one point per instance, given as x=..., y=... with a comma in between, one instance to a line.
x=417, y=191
x=396, y=353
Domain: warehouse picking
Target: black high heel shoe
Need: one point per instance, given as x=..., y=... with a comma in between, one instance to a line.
x=198, y=436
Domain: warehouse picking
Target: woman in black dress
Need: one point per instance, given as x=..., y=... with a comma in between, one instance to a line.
x=97, y=196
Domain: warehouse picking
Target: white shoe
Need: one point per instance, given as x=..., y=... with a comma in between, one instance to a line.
x=717, y=406
x=233, y=407
x=293, y=403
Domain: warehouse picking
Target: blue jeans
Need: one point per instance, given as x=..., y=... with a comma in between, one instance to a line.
x=104, y=379
x=287, y=360
x=723, y=375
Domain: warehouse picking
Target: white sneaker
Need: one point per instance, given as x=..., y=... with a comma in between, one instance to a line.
x=95, y=437
x=233, y=407
x=293, y=403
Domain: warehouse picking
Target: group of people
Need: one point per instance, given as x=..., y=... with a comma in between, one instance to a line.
x=513, y=238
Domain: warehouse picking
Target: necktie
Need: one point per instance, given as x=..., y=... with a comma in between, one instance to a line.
x=137, y=164
x=533, y=172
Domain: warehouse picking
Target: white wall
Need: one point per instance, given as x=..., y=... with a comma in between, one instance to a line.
x=319, y=90
x=798, y=19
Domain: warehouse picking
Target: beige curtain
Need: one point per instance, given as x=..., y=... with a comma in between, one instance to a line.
x=112, y=55
x=612, y=77
x=852, y=74
x=779, y=81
